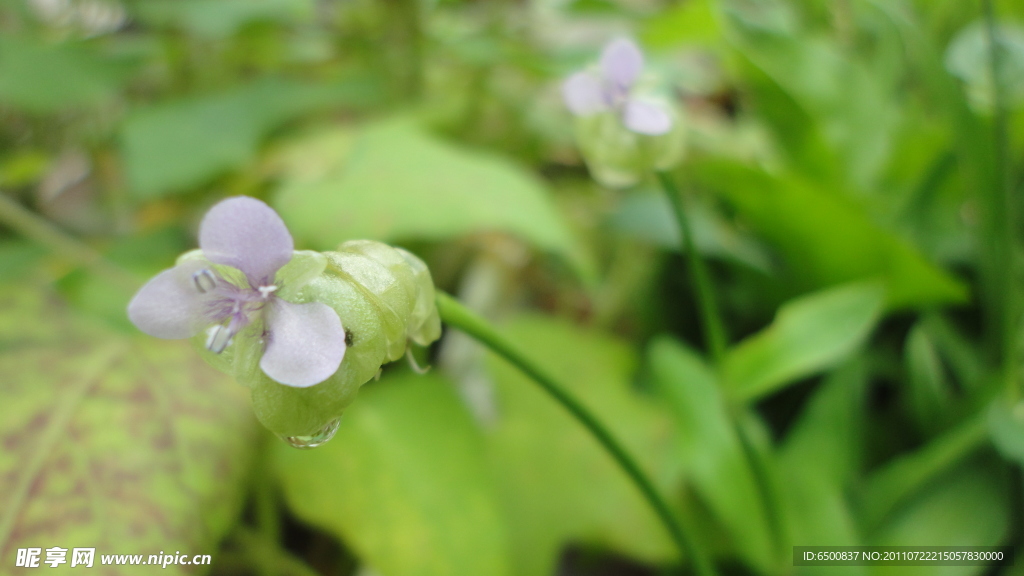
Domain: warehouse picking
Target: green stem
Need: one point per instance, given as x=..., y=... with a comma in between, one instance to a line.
x=455, y=314
x=711, y=318
x=268, y=553
x=40, y=230
x=267, y=520
x=1002, y=211
x=764, y=485
x=715, y=339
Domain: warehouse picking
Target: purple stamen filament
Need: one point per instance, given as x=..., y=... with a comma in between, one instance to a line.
x=238, y=306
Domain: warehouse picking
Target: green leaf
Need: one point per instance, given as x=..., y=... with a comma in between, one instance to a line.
x=130, y=446
x=826, y=441
x=819, y=514
x=711, y=451
x=900, y=479
x=392, y=181
x=827, y=239
x=968, y=57
x=650, y=217
x=1006, y=426
x=691, y=22
x=175, y=145
x=404, y=483
x=219, y=18
x=808, y=335
x=967, y=507
x=931, y=396
x=39, y=77
x=556, y=482
x=854, y=105
x=18, y=259
x=819, y=460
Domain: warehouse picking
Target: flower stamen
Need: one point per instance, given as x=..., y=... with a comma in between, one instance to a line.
x=218, y=339
x=204, y=280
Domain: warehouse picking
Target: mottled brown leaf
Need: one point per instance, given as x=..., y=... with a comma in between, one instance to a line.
x=126, y=445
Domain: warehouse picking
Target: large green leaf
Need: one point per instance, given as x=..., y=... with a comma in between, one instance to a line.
x=394, y=181
x=826, y=440
x=693, y=22
x=712, y=452
x=809, y=334
x=558, y=485
x=901, y=479
x=128, y=446
x=41, y=77
x=171, y=146
x=827, y=239
x=1006, y=426
x=404, y=483
x=852, y=103
x=966, y=507
x=820, y=458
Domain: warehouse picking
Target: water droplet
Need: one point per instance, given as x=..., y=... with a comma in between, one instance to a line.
x=204, y=280
x=312, y=441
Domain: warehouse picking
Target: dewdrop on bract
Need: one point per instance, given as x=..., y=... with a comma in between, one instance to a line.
x=623, y=130
x=303, y=330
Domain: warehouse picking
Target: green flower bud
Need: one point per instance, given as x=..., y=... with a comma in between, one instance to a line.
x=620, y=157
x=384, y=297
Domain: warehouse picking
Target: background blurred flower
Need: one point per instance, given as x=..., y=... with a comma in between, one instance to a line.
x=611, y=89
x=621, y=134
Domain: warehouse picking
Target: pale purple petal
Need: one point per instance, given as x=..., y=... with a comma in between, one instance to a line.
x=305, y=343
x=584, y=94
x=621, y=62
x=247, y=234
x=170, y=305
x=646, y=118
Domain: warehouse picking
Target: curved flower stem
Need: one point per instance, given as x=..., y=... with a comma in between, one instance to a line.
x=711, y=318
x=455, y=314
x=270, y=553
x=715, y=338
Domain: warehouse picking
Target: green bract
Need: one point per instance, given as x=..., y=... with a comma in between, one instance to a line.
x=618, y=156
x=384, y=297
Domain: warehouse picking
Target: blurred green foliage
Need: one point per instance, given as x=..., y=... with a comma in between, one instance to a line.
x=854, y=174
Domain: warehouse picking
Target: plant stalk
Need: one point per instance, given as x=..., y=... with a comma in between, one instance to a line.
x=716, y=342
x=711, y=317
x=40, y=230
x=456, y=315
x=1002, y=213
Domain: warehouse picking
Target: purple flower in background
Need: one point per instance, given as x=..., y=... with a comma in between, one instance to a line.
x=610, y=89
x=304, y=343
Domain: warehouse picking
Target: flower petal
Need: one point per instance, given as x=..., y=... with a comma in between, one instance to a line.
x=170, y=305
x=305, y=343
x=583, y=94
x=621, y=62
x=646, y=118
x=247, y=234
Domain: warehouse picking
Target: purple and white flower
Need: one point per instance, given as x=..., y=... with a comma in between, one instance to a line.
x=236, y=283
x=611, y=89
